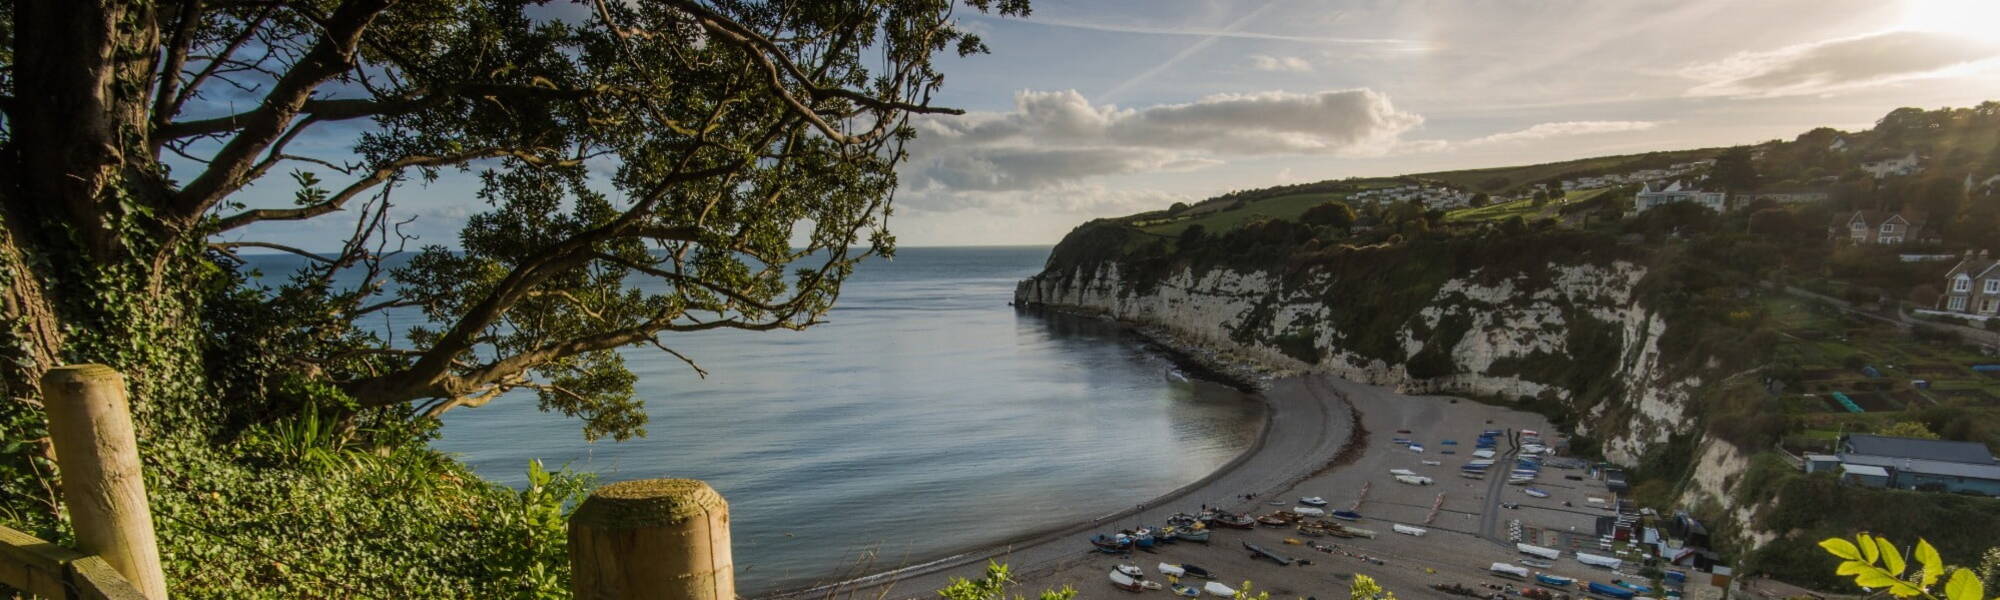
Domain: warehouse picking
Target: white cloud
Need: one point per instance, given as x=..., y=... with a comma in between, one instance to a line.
x=1052, y=143
x=1541, y=131
x=1837, y=65
x=1265, y=62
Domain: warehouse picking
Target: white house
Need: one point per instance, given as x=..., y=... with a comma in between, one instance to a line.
x=1651, y=196
x=1901, y=165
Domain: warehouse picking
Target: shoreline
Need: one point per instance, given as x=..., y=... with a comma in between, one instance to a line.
x=1304, y=431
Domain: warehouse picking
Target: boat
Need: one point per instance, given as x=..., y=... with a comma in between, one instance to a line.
x=1507, y=570
x=1605, y=589
x=1472, y=475
x=1313, y=501
x=1149, y=585
x=1216, y=588
x=1194, y=571
x=1538, y=563
x=1185, y=591
x=1257, y=551
x=1357, y=532
x=1408, y=530
x=1307, y=511
x=1402, y=472
x=1433, y=462
x=1235, y=521
x=1112, y=543
x=1345, y=515
x=1199, y=536
x=1171, y=570
x=1516, y=480
x=1538, y=551
x=1416, y=447
x=1535, y=492
x=1132, y=570
x=1125, y=582
x=1554, y=580
x=1183, y=520
x=1599, y=561
x=1413, y=479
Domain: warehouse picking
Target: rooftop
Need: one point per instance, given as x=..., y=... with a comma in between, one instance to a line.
x=1933, y=450
x=1921, y=466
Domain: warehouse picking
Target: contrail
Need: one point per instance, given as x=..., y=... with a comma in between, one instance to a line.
x=1207, y=40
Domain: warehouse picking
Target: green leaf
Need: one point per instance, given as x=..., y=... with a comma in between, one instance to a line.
x=1964, y=586
x=1874, y=579
x=1868, y=548
x=1892, y=559
x=1933, y=564
x=1851, y=567
x=1841, y=548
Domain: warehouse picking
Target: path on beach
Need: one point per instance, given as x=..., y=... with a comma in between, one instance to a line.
x=1308, y=423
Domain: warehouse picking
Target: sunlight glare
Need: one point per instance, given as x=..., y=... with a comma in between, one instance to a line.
x=1974, y=18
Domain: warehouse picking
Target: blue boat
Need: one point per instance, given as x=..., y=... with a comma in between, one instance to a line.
x=1449, y=442
x=1611, y=591
x=1345, y=515
x=1554, y=580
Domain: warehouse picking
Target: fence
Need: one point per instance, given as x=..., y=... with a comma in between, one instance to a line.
x=650, y=538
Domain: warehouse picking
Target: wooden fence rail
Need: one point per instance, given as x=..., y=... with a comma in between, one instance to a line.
x=45, y=570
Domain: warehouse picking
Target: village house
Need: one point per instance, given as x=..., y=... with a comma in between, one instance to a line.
x=1784, y=196
x=1651, y=196
x=1911, y=464
x=1972, y=286
x=1899, y=165
x=1883, y=227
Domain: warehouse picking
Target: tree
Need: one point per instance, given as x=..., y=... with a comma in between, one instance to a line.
x=1337, y=215
x=1908, y=429
x=996, y=585
x=1735, y=170
x=1540, y=199
x=1365, y=588
x=1192, y=236
x=1480, y=200
x=646, y=169
x=1876, y=564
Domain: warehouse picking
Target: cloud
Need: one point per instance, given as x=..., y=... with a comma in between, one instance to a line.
x=1052, y=144
x=1836, y=65
x=1264, y=62
x=1542, y=131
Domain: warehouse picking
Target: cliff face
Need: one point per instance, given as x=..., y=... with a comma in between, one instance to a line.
x=1573, y=333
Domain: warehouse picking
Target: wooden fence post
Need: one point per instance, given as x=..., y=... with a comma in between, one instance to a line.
x=652, y=538
x=90, y=421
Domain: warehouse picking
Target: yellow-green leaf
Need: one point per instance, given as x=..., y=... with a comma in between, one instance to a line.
x=1851, y=567
x=1841, y=548
x=1868, y=548
x=1892, y=559
x=1964, y=586
x=1933, y=564
x=1874, y=579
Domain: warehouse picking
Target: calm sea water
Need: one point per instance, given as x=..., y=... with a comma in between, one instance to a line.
x=925, y=416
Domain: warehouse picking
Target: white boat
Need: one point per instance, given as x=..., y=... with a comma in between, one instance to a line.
x=1535, y=492
x=1538, y=563
x=1434, y=462
x=1482, y=453
x=1411, y=531
x=1313, y=501
x=1547, y=553
x=1416, y=447
x=1402, y=472
x=1173, y=570
x=1507, y=570
x=1413, y=480
x=1125, y=582
x=1599, y=561
x=1132, y=570
x=1216, y=587
x=1307, y=511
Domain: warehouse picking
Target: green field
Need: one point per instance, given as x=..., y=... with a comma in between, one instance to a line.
x=1282, y=207
x=1522, y=176
x=1521, y=208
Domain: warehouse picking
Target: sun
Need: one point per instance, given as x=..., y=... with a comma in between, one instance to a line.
x=1972, y=18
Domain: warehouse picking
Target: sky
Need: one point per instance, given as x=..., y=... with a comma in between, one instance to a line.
x=1099, y=108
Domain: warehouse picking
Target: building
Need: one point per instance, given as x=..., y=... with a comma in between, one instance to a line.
x=1784, y=196
x=1882, y=227
x=1651, y=196
x=1912, y=464
x=1899, y=165
x=1972, y=286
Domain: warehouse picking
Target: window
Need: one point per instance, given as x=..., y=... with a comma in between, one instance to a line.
x=1957, y=303
x=1888, y=228
x=1993, y=286
x=1961, y=284
x=1891, y=240
x=1987, y=305
x=1859, y=226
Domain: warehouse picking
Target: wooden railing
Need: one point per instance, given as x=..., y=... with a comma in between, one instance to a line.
x=649, y=538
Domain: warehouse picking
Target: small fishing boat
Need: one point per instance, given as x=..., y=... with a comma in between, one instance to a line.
x=1199, y=536
x=1433, y=462
x=1218, y=589
x=1307, y=511
x=1234, y=521
x=1273, y=520
x=1416, y=448
x=1125, y=582
x=1535, y=492
x=1111, y=543
x=1171, y=570
x=1185, y=591
x=1131, y=570
x=1194, y=571
x=1472, y=475
x=1183, y=520
x=1554, y=580
x=1313, y=501
x=1345, y=515
x=1539, y=564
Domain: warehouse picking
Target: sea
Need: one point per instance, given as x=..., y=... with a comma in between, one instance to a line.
x=924, y=417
